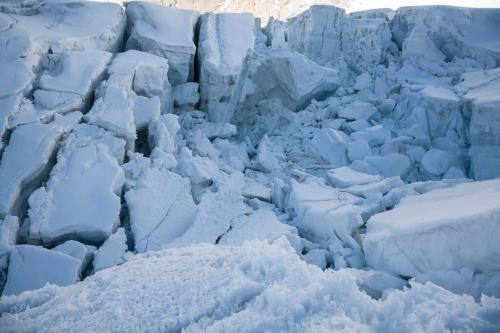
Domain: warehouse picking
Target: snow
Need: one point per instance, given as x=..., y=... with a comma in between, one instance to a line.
x=88, y=161
x=165, y=32
x=250, y=287
x=31, y=267
x=443, y=229
x=226, y=42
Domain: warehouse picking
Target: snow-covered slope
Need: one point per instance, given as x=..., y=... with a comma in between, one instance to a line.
x=328, y=171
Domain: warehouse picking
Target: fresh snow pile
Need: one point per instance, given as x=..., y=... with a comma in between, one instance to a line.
x=168, y=169
x=254, y=287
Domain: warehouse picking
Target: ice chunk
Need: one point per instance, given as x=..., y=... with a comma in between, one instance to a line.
x=358, y=150
x=375, y=135
x=77, y=250
x=437, y=161
x=389, y=165
x=166, y=32
x=294, y=79
x=345, y=177
x=330, y=145
x=376, y=283
x=161, y=208
x=112, y=252
x=146, y=111
x=31, y=267
x=225, y=44
x=317, y=32
x=162, y=133
x=326, y=215
x=375, y=190
x=259, y=225
x=443, y=229
x=357, y=110
x=87, y=161
x=27, y=160
x=75, y=72
x=266, y=159
x=186, y=94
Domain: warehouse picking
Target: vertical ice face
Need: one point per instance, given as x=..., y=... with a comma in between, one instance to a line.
x=165, y=32
x=226, y=42
x=316, y=33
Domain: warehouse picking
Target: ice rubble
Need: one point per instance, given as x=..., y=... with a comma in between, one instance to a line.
x=254, y=287
x=349, y=135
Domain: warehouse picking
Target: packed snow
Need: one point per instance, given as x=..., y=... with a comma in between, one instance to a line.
x=193, y=168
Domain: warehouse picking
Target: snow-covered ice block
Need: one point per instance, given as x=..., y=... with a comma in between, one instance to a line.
x=166, y=32
x=65, y=26
x=390, y=165
x=317, y=32
x=161, y=208
x=74, y=72
x=78, y=251
x=345, y=177
x=251, y=287
x=357, y=110
x=88, y=161
x=114, y=109
x=325, y=214
x=31, y=267
x=146, y=74
x=443, y=229
x=294, y=79
x=330, y=145
x=259, y=225
x=226, y=42
x=112, y=252
x=375, y=190
x=27, y=160
x=218, y=213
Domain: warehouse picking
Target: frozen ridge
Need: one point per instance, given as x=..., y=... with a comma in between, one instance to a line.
x=188, y=167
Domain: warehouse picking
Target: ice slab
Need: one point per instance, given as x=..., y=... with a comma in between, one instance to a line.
x=330, y=145
x=112, y=252
x=27, y=160
x=88, y=161
x=165, y=32
x=226, y=42
x=345, y=177
x=32, y=267
x=443, y=229
x=294, y=79
x=161, y=208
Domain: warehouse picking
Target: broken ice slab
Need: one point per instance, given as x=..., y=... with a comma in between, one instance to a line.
x=443, y=229
x=112, y=252
x=226, y=42
x=161, y=208
x=344, y=177
x=329, y=145
x=165, y=32
x=88, y=161
x=31, y=267
x=294, y=79
x=27, y=160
